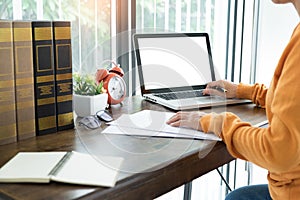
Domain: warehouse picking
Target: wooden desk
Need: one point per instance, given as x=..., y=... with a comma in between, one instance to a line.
x=152, y=167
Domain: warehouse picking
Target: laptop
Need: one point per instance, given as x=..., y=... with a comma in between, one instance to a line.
x=174, y=68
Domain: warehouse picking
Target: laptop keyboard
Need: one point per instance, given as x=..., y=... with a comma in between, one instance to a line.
x=180, y=95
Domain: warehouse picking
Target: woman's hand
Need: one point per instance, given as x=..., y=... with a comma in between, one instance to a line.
x=213, y=88
x=187, y=119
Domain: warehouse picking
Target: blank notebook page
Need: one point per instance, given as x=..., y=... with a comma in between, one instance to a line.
x=88, y=170
x=30, y=167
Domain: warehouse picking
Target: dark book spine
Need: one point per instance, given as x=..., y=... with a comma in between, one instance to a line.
x=24, y=82
x=8, y=129
x=44, y=77
x=63, y=73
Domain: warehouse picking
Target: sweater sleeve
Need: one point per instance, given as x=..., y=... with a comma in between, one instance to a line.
x=256, y=93
x=275, y=148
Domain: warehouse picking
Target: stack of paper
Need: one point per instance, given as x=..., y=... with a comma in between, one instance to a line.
x=151, y=123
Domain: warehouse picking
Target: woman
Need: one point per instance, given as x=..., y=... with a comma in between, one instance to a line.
x=276, y=148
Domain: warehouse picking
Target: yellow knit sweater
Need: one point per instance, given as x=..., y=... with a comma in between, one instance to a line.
x=276, y=148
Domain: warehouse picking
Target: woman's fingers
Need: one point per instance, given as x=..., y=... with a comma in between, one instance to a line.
x=174, y=118
x=175, y=123
x=213, y=92
x=221, y=88
x=186, y=119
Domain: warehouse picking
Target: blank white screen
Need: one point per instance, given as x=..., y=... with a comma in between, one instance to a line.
x=174, y=61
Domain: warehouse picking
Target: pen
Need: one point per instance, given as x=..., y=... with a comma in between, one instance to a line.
x=219, y=89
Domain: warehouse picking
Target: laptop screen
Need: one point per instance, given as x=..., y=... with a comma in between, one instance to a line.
x=173, y=60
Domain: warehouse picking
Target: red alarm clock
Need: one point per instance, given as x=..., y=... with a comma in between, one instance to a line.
x=113, y=83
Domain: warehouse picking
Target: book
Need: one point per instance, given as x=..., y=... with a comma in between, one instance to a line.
x=63, y=74
x=25, y=110
x=67, y=167
x=8, y=129
x=44, y=77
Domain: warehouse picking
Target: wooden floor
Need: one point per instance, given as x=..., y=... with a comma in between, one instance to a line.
x=209, y=186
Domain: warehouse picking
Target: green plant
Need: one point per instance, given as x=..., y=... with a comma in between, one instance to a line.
x=86, y=85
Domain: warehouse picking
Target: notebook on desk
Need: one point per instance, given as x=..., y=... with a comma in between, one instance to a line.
x=174, y=68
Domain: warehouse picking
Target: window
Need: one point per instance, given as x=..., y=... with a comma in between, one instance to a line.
x=239, y=54
x=91, y=27
x=186, y=16
x=276, y=25
x=229, y=24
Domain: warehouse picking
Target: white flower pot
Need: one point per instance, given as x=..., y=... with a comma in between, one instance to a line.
x=89, y=105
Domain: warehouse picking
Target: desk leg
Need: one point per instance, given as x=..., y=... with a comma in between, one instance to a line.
x=187, y=191
x=249, y=168
x=225, y=181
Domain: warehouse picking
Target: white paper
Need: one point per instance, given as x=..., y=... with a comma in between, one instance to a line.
x=148, y=133
x=153, y=123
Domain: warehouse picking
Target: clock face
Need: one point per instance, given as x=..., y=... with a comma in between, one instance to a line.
x=116, y=87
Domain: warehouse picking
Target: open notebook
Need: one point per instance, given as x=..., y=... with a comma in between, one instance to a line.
x=67, y=167
x=174, y=68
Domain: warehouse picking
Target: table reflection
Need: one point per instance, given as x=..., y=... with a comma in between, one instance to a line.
x=141, y=154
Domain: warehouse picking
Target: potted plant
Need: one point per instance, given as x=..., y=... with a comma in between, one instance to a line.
x=89, y=95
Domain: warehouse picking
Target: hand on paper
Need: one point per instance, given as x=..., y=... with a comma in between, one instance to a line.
x=228, y=87
x=187, y=119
